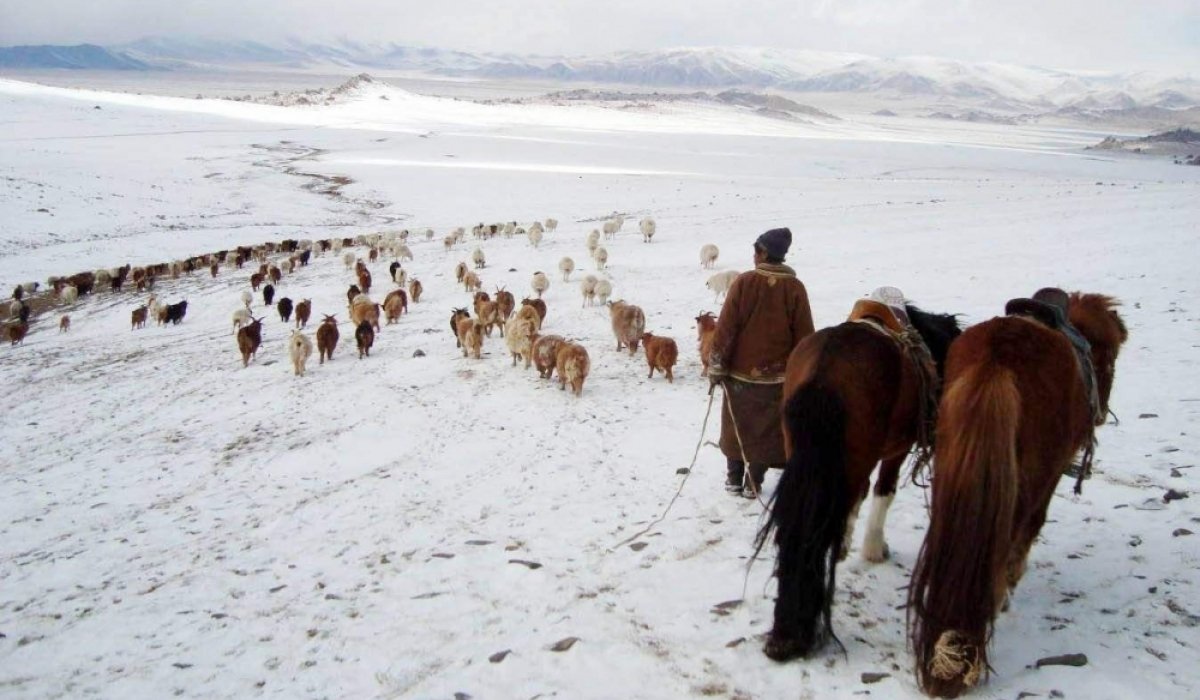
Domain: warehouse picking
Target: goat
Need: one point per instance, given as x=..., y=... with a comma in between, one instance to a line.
x=540, y=283
x=551, y=225
x=414, y=290
x=529, y=312
x=352, y=292
x=303, y=309
x=587, y=286
x=373, y=254
x=364, y=280
x=246, y=299
x=176, y=312
x=539, y=306
x=460, y=271
x=348, y=260
x=327, y=338
x=471, y=281
x=628, y=324
x=249, y=337
x=566, y=266
x=392, y=269
x=16, y=332
x=403, y=252
x=708, y=255
x=457, y=315
x=519, y=335
x=363, y=309
x=479, y=258
x=256, y=280
x=480, y=297
x=284, y=307
x=470, y=337
x=706, y=330
x=720, y=282
x=395, y=304
x=505, y=303
x=661, y=353
x=648, y=227
x=488, y=315
x=572, y=365
x=299, y=349
x=545, y=353
x=70, y=294
x=275, y=275
x=603, y=290
x=268, y=294
x=64, y=324
x=240, y=318
x=364, y=335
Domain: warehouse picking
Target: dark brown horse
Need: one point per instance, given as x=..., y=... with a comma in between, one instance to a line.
x=854, y=395
x=1014, y=412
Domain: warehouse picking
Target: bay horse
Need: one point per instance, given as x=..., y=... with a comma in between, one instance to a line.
x=854, y=395
x=1015, y=410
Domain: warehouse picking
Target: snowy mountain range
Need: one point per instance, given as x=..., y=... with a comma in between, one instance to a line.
x=993, y=86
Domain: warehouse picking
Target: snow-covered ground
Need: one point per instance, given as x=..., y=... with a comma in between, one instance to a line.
x=171, y=523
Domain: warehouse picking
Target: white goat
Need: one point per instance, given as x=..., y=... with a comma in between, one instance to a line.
x=70, y=294
x=299, y=349
x=247, y=298
x=720, y=282
x=708, y=255
x=241, y=317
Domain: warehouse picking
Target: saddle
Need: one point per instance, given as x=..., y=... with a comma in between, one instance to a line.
x=869, y=310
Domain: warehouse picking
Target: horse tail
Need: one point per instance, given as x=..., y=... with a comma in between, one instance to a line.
x=808, y=516
x=960, y=578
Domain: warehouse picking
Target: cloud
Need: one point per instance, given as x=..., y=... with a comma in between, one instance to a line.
x=1077, y=34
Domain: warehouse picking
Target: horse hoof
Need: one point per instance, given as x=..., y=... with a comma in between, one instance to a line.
x=782, y=648
x=876, y=555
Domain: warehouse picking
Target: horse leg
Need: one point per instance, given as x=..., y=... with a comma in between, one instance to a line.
x=874, y=547
x=848, y=537
x=1026, y=531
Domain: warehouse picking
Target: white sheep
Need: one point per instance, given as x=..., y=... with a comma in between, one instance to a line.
x=566, y=266
x=247, y=298
x=30, y=287
x=587, y=286
x=540, y=283
x=708, y=255
x=14, y=309
x=70, y=294
x=593, y=240
x=509, y=228
x=610, y=228
x=535, y=236
x=401, y=277
x=241, y=317
x=551, y=225
x=348, y=260
x=647, y=226
x=536, y=226
x=604, y=290
x=299, y=349
x=720, y=282
x=429, y=234
x=478, y=258
x=600, y=255
x=336, y=245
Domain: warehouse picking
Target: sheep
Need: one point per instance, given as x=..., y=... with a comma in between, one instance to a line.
x=505, y=303
x=628, y=324
x=538, y=306
x=535, y=236
x=327, y=338
x=540, y=283
x=551, y=225
x=70, y=294
x=247, y=298
x=429, y=234
x=661, y=353
x=600, y=255
x=460, y=271
x=720, y=282
x=536, y=226
x=249, y=337
x=610, y=229
x=16, y=333
x=545, y=353
x=647, y=226
x=603, y=290
x=395, y=304
x=519, y=336
x=457, y=315
x=64, y=323
x=402, y=252
x=268, y=294
x=470, y=337
x=593, y=240
x=566, y=266
x=448, y=242
x=303, y=309
x=708, y=255
x=240, y=318
x=471, y=282
x=348, y=260
x=364, y=335
x=706, y=330
x=363, y=309
x=587, y=287
x=299, y=349
x=284, y=307
x=572, y=365
x=15, y=307
x=479, y=258
x=509, y=228
x=414, y=290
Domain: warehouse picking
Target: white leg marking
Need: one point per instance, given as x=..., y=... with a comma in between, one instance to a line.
x=875, y=549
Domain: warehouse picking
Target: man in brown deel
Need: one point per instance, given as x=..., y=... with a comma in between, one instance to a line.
x=766, y=314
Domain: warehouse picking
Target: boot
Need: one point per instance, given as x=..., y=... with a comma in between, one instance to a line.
x=735, y=474
x=753, y=485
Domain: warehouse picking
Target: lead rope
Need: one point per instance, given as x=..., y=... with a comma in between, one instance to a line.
x=691, y=467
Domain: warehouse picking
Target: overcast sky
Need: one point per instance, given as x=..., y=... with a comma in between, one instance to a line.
x=1122, y=35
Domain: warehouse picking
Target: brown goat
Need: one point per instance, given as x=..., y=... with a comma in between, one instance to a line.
x=255, y=280
x=274, y=274
x=480, y=297
x=706, y=330
x=545, y=354
x=365, y=310
x=395, y=304
x=352, y=292
x=505, y=302
x=138, y=318
x=661, y=353
x=628, y=324
x=460, y=271
x=488, y=314
x=470, y=337
x=414, y=290
x=539, y=306
x=572, y=364
x=364, y=335
x=16, y=333
x=249, y=337
x=327, y=338
x=212, y=269
x=303, y=311
x=457, y=315
x=364, y=280
x=64, y=324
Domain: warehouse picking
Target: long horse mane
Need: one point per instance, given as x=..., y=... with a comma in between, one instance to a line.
x=937, y=330
x=1096, y=307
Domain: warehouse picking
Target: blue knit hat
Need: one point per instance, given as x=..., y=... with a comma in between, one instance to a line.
x=775, y=242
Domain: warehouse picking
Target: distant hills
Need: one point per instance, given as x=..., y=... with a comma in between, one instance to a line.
x=990, y=87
